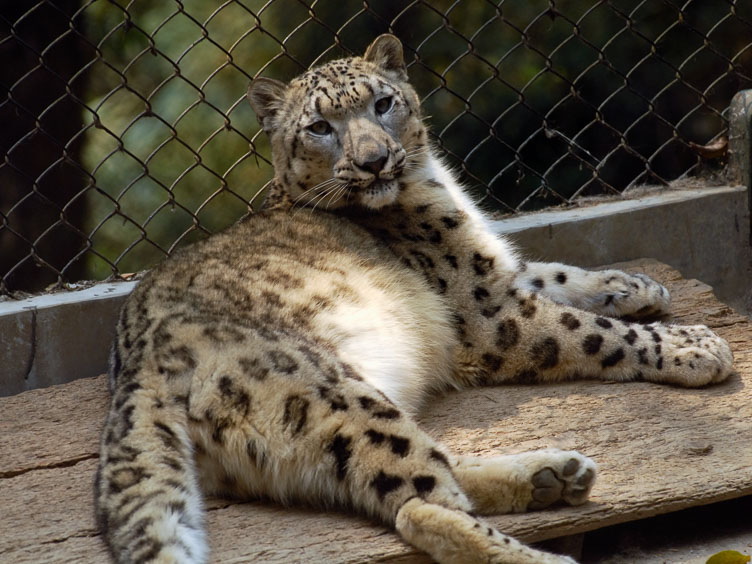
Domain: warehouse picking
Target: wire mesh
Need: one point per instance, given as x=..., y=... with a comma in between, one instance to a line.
x=126, y=132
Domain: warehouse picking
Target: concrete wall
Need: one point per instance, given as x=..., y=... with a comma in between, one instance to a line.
x=57, y=338
x=704, y=233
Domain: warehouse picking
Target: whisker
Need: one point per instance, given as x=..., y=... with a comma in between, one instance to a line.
x=319, y=189
x=329, y=194
x=314, y=198
x=337, y=191
x=345, y=192
x=417, y=150
x=314, y=188
x=321, y=196
x=411, y=160
x=322, y=184
x=337, y=195
x=415, y=153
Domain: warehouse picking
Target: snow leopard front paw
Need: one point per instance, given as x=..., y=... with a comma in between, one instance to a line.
x=634, y=296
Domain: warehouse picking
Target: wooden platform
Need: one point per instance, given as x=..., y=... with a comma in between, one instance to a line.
x=659, y=449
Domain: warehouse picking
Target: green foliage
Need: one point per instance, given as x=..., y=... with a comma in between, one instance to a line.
x=169, y=142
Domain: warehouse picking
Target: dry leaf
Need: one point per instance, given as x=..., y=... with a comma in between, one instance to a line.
x=712, y=150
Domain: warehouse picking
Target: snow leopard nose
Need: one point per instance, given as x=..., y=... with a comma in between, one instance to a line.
x=375, y=166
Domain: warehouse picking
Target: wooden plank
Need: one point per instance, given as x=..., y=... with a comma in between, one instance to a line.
x=659, y=449
x=52, y=426
x=47, y=512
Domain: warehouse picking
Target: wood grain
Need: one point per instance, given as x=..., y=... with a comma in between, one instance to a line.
x=659, y=449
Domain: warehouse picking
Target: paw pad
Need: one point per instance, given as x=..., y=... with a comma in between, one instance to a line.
x=571, y=467
x=547, y=489
x=567, y=477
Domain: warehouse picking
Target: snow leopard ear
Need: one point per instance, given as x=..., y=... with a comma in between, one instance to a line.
x=266, y=96
x=386, y=52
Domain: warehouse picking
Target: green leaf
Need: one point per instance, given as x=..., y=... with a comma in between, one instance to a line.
x=728, y=557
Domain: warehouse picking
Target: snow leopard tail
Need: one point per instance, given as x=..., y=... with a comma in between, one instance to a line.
x=148, y=502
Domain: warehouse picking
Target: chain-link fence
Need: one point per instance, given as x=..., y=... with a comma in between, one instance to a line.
x=125, y=131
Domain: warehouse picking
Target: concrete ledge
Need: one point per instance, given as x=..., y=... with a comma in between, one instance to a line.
x=56, y=338
x=702, y=232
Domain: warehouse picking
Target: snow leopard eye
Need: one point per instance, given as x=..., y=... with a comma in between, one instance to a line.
x=320, y=127
x=383, y=105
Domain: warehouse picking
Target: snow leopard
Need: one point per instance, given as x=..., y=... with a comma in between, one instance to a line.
x=286, y=357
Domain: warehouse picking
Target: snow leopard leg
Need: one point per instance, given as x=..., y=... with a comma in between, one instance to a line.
x=314, y=430
x=453, y=536
x=606, y=292
x=523, y=337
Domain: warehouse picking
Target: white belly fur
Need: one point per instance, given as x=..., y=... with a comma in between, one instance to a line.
x=399, y=341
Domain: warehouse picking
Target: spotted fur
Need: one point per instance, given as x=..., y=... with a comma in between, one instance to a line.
x=286, y=356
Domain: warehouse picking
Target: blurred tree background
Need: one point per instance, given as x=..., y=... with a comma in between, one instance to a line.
x=535, y=103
